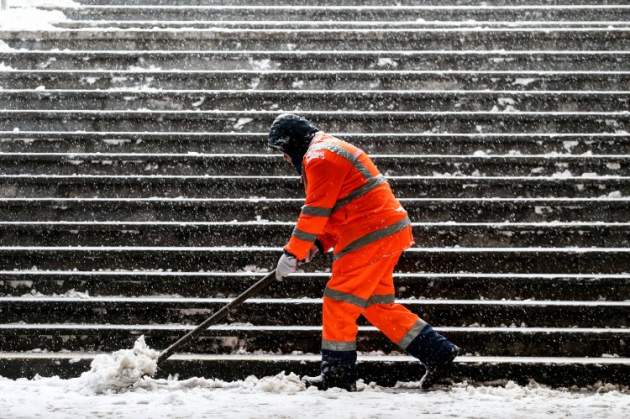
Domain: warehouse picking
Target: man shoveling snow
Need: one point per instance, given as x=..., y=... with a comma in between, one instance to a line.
x=351, y=208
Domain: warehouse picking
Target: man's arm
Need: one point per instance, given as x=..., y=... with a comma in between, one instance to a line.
x=323, y=183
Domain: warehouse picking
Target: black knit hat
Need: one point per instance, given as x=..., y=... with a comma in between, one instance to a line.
x=292, y=134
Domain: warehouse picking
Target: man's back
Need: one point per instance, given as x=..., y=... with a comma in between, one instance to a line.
x=363, y=203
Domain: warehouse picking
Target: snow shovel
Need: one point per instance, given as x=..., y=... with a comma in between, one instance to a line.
x=181, y=342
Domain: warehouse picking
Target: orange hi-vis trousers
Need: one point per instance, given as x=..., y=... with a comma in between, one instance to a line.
x=366, y=289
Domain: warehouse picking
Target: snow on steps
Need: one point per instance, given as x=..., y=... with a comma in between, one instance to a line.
x=150, y=79
x=385, y=370
x=246, y=338
x=193, y=186
x=355, y=13
x=250, y=142
x=307, y=311
x=186, y=209
x=270, y=233
x=336, y=120
x=322, y=39
x=439, y=259
x=434, y=100
x=464, y=286
x=339, y=24
x=359, y=59
x=189, y=164
x=325, y=2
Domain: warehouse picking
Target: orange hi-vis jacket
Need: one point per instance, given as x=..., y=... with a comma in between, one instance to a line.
x=349, y=204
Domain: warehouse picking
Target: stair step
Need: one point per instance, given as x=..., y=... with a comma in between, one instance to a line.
x=359, y=59
x=314, y=80
x=218, y=142
x=179, y=233
x=145, y=186
x=385, y=370
x=355, y=13
x=331, y=2
x=222, y=209
x=337, y=24
x=305, y=311
x=486, y=341
x=317, y=100
x=320, y=39
x=333, y=120
x=420, y=259
x=225, y=284
x=190, y=164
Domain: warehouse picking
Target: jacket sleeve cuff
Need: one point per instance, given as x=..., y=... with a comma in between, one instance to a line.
x=298, y=247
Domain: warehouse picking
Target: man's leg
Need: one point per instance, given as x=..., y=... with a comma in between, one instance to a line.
x=339, y=349
x=345, y=298
x=406, y=329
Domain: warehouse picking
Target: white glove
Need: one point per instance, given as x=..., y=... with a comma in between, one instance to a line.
x=287, y=265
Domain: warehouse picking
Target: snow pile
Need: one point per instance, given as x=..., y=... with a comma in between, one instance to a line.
x=25, y=15
x=4, y=47
x=121, y=370
x=281, y=383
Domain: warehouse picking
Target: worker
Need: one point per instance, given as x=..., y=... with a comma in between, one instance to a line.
x=351, y=209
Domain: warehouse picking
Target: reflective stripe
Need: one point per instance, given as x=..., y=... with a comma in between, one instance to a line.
x=304, y=236
x=358, y=301
x=412, y=333
x=372, y=237
x=343, y=296
x=333, y=345
x=317, y=211
x=360, y=191
x=353, y=159
x=381, y=299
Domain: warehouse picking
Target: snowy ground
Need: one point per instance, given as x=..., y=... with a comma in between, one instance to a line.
x=284, y=396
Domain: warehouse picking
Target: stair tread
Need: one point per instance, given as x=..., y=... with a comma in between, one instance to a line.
x=273, y=328
x=299, y=200
x=308, y=301
x=502, y=225
x=317, y=358
x=437, y=275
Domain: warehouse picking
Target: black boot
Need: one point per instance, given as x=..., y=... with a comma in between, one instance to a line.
x=435, y=352
x=338, y=369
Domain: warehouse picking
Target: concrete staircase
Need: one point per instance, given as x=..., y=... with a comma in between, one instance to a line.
x=137, y=195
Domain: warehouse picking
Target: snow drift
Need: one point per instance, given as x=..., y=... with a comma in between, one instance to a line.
x=121, y=370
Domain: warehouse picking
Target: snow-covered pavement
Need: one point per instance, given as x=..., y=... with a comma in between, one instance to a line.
x=284, y=396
